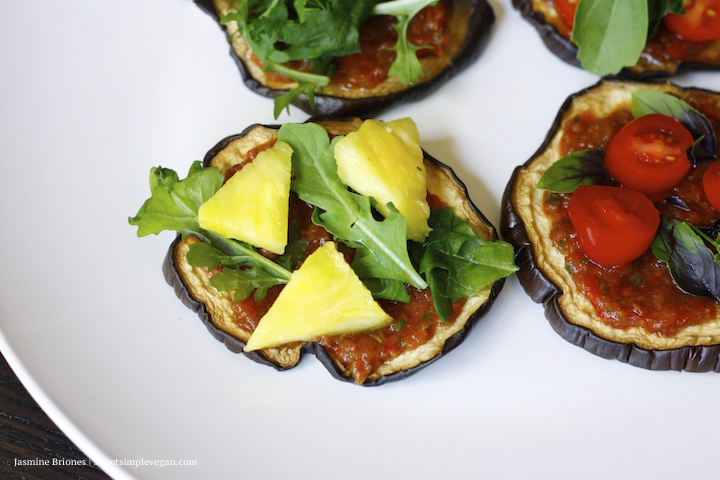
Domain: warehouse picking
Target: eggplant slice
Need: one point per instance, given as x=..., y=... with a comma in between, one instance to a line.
x=547, y=282
x=542, y=15
x=192, y=287
x=468, y=23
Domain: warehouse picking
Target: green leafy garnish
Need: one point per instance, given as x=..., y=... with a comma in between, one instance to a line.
x=406, y=67
x=236, y=277
x=307, y=84
x=458, y=263
x=384, y=289
x=693, y=266
x=610, y=34
x=174, y=205
x=280, y=31
x=382, y=245
x=584, y=167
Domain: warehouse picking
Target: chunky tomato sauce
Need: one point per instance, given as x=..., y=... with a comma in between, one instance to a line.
x=369, y=67
x=361, y=354
x=414, y=323
x=642, y=293
x=667, y=47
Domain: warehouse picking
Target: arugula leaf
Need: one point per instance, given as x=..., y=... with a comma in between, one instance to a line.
x=346, y=215
x=327, y=29
x=279, y=31
x=645, y=102
x=610, y=34
x=237, y=275
x=384, y=289
x=693, y=266
x=173, y=205
x=242, y=282
x=584, y=167
x=456, y=262
x=307, y=83
x=204, y=255
x=406, y=66
x=295, y=250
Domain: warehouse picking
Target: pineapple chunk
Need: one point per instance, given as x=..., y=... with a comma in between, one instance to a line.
x=385, y=161
x=323, y=297
x=253, y=204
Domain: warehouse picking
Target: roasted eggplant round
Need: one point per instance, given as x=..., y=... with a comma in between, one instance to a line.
x=468, y=25
x=548, y=273
x=191, y=284
x=655, y=61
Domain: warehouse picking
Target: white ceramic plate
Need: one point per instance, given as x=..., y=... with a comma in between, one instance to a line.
x=95, y=93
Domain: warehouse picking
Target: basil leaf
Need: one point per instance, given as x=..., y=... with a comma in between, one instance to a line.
x=692, y=264
x=584, y=167
x=610, y=34
x=645, y=102
x=458, y=263
x=657, y=9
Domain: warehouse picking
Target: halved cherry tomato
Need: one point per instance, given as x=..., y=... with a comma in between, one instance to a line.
x=649, y=154
x=614, y=225
x=711, y=184
x=566, y=10
x=699, y=23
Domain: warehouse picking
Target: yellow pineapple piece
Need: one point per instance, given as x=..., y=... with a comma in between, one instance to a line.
x=385, y=161
x=253, y=204
x=323, y=297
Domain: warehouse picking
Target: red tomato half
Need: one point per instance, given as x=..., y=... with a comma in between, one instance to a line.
x=699, y=23
x=711, y=184
x=649, y=154
x=614, y=225
x=566, y=10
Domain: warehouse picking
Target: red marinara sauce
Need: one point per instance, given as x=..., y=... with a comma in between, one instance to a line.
x=414, y=323
x=668, y=47
x=642, y=293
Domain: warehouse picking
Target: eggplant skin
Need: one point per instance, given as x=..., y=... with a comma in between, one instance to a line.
x=537, y=280
x=191, y=286
x=646, y=69
x=472, y=22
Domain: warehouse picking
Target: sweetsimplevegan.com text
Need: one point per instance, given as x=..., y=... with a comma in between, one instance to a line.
x=129, y=462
